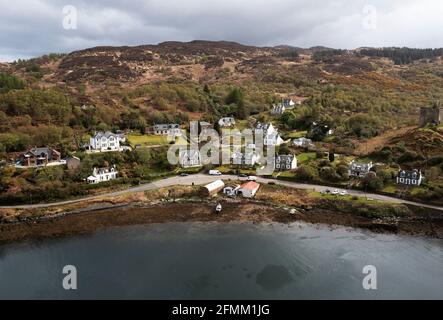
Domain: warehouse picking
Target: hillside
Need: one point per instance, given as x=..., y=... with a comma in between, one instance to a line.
x=130, y=87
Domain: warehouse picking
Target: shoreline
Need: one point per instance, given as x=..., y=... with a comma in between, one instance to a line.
x=93, y=218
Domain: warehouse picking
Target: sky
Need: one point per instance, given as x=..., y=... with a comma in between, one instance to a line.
x=30, y=28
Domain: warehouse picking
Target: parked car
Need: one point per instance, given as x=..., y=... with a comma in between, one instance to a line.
x=272, y=183
x=252, y=178
x=335, y=191
x=214, y=173
x=343, y=193
x=327, y=191
x=242, y=175
x=184, y=174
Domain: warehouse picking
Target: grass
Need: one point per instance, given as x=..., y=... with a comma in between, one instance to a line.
x=297, y=134
x=306, y=157
x=146, y=140
x=390, y=188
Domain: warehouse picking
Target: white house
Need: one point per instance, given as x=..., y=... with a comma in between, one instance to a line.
x=226, y=122
x=288, y=103
x=104, y=141
x=248, y=189
x=410, y=178
x=267, y=128
x=170, y=129
x=359, y=169
x=102, y=175
x=273, y=139
x=302, y=142
x=285, y=162
x=278, y=109
x=245, y=159
x=189, y=158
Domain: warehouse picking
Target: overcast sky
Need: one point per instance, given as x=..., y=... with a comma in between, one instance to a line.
x=30, y=28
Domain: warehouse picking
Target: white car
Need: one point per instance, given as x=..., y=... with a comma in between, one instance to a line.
x=335, y=191
x=343, y=193
x=214, y=173
x=252, y=178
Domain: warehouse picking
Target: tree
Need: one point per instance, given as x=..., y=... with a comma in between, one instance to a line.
x=284, y=149
x=363, y=125
x=372, y=182
x=306, y=173
x=10, y=82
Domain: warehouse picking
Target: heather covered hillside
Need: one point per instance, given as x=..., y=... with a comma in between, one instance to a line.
x=361, y=93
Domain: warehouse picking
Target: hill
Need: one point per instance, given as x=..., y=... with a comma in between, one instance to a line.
x=130, y=87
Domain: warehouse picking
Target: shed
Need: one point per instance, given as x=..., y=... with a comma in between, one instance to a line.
x=213, y=188
x=248, y=189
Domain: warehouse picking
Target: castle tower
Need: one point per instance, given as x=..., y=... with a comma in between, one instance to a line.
x=431, y=115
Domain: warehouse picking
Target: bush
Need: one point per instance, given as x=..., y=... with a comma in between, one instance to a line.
x=306, y=173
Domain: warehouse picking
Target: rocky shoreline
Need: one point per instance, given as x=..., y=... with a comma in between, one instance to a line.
x=94, y=218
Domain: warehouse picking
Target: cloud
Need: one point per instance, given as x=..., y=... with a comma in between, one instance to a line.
x=34, y=27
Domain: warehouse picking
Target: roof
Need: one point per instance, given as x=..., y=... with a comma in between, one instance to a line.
x=165, y=126
x=42, y=150
x=101, y=134
x=263, y=126
x=189, y=153
x=278, y=108
x=359, y=166
x=409, y=174
x=217, y=184
x=250, y=185
x=285, y=157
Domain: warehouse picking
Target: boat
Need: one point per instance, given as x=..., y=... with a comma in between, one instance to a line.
x=218, y=208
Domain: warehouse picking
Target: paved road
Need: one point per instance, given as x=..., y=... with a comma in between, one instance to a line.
x=198, y=179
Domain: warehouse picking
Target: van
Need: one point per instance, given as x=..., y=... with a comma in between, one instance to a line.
x=252, y=178
x=214, y=173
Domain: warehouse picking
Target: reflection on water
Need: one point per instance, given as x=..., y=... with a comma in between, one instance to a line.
x=226, y=261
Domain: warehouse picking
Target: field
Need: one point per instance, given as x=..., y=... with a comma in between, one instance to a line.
x=306, y=157
x=146, y=140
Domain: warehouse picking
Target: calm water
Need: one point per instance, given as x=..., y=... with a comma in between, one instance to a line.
x=232, y=261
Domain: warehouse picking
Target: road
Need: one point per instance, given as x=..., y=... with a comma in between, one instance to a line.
x=199, y=179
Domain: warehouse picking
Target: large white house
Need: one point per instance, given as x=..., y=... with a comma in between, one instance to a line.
x=248, y=159
x=190, y=158
x=105, y=141
x=267, y=128
x=102, y=175
x=271, y=136
x=285, y=162
x=170, y=129
x=302, y=142
x=410, y=178
x=272, y=139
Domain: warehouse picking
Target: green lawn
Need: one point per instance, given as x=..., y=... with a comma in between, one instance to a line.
x=390, y=188
x=146, y=140
x=297, y=134
x=306, y=157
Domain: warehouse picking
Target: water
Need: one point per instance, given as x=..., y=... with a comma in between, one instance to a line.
x=224, y=261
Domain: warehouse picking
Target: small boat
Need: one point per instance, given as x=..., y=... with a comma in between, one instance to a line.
x=218, y=208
